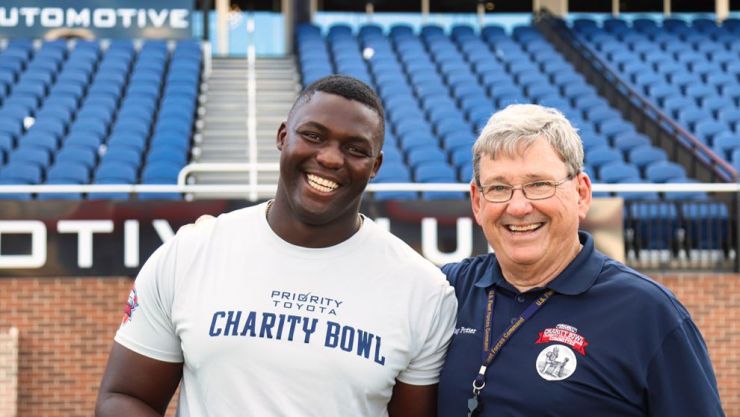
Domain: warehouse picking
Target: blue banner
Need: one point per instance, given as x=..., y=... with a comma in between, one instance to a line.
x=161, y=19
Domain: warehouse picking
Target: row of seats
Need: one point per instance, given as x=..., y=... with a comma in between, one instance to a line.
x=691, y=73
x=84, y=112
x=440, y=89
x=677, y=226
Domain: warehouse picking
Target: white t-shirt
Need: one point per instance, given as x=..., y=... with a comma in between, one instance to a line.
x=266, y=328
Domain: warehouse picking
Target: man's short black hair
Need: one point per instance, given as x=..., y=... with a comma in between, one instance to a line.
x=349, y=88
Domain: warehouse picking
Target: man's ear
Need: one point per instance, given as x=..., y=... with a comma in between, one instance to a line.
x=282, y=132
x=475, y=200
x=377, y=164
x=584, y=194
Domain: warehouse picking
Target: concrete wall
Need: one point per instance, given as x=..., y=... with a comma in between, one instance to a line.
x=66, y=326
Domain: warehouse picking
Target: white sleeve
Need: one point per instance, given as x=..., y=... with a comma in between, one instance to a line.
x=425, y=367
x=147, y=327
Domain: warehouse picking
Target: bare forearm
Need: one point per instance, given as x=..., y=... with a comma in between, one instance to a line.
x=114, y=405
x=413, y=401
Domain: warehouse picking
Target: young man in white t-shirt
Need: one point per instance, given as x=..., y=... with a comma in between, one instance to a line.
x=296, y=307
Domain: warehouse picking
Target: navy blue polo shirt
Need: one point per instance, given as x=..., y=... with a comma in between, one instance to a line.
x=610, y=342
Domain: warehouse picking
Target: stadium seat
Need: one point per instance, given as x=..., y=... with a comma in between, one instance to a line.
x=614, y=172
x=706, y=225
x=664, y=171
x=657, y=225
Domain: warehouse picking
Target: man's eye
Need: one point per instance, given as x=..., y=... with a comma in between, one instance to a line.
x=354, y=150
x=311, y=136
x=540, y=184
x=498, y=188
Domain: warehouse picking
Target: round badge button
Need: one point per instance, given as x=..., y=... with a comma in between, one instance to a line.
x=556, y=362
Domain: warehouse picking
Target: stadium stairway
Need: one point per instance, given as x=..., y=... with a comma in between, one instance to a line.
x=224, y=137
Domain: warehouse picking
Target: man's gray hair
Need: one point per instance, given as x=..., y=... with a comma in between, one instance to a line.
x=515, y=128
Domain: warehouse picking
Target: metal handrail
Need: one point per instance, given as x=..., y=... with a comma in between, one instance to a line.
x=225, y=167
x=727, y=172
x=372, y=187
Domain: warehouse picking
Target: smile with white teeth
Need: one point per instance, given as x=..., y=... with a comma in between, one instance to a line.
x=321, y=184
x=524, y=227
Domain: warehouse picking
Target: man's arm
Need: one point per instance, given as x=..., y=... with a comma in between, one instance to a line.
x=135, y=385
x=413, y=400
x=680, y=378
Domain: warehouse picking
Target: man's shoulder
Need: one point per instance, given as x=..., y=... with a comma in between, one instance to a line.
x=640, y=289
x=399, y=256
x=208, y=229
x=465, y=272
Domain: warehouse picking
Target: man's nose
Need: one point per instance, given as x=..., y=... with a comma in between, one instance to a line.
x=330, y=156
x=518, y=205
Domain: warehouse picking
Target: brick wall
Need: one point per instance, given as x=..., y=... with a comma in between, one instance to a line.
x=9, y=372
x=714, y=303
x=66, y=327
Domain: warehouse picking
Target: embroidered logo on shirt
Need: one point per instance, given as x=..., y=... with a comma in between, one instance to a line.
x=556, y=362
x=133, y=302
x=565, y=334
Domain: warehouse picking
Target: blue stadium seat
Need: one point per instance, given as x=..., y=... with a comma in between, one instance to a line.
x=623, y=136
x=656, y=223
x=18, y=172
x=707, y=130
x=82, y=155
x=118, y=172
x=394, y=172
x=426, y=154
x=642, y=156
x=618, y=171
x=684, y=195
x=636, y=195
x=123, y=155
x=163, y=172
x=664, y=171
x=725, y=143
x=38, y=157
x=76, y=173
x=598, y=156
x=437, y=172
x=707, y=225
x=178, y=156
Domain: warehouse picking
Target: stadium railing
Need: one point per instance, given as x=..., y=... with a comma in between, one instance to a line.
x=682, y=146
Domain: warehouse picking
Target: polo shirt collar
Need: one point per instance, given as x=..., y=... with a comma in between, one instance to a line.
x=575, y=279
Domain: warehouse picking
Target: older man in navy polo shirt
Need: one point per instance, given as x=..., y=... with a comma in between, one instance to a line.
x=549, y=326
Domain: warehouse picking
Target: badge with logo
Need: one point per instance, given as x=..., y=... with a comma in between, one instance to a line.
x=558, y=361
x=131, y=305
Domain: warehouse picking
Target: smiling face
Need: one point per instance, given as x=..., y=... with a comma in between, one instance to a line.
x=539, y=236
x=329, y=150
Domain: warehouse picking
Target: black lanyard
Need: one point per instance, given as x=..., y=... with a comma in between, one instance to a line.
x=489, y=353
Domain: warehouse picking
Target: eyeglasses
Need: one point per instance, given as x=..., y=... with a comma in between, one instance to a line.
x=537, y=190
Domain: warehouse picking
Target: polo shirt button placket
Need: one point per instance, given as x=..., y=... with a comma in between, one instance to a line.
x=521, y=298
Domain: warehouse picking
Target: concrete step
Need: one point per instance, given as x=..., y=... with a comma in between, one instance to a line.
x=226, y=87
x=275, y=96
x=272, y=108
x=226, y=138
x=227, y=83
x=224, y=117
x=235, y=107
x=272, y=84
x=216, y=119
x=222, y=63
x=216, y=128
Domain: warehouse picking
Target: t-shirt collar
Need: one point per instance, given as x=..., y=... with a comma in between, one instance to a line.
x=575, y=279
